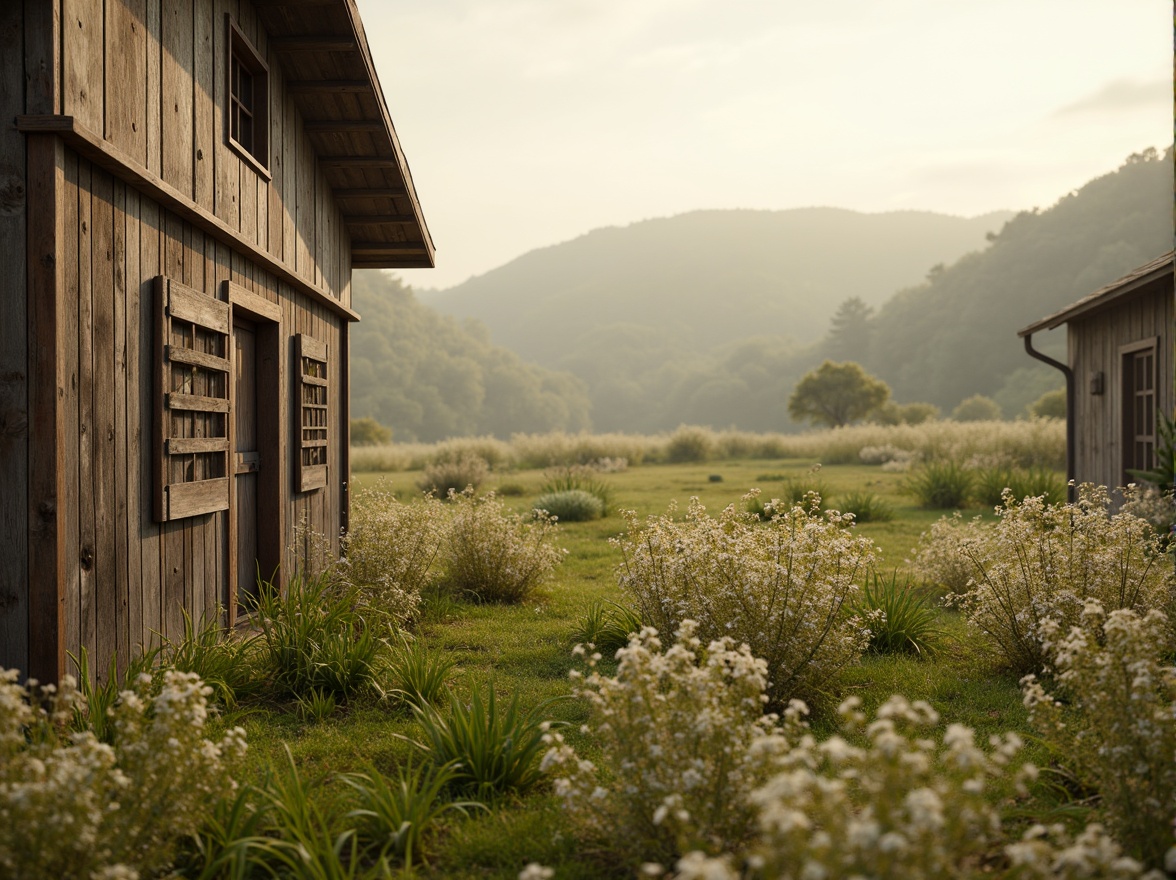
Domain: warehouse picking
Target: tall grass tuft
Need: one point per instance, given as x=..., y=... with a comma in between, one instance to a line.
x=571, y=505
x=395, y=815
x=419, y=677
x=866, y=507
x=317, y=637
x=607, y=626
x=900, y=621
x=225, y=661
x=492, y=749
x=940, y=485
x=454, y=475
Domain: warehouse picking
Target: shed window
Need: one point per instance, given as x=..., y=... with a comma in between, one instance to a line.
x=1139, y=407
x=248, y=101
x=314, y=398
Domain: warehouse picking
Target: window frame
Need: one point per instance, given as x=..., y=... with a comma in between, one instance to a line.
x=1131, y=434
x=240, y=52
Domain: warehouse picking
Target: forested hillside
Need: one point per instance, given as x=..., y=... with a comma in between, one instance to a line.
x=704, y=279
x=652, y=329
x=428, y=377
x=955, y=335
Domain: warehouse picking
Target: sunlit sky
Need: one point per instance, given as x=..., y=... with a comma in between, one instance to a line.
x=530, y=122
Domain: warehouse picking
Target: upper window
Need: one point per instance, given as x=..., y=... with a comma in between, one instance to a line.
x=248, y=101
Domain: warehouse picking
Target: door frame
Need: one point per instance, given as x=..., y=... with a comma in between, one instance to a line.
x=266, y=316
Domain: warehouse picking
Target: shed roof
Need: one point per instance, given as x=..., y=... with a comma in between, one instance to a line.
x=329, y=72
x=1123, y=288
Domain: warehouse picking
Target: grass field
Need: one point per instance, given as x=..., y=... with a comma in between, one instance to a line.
x=526, y=649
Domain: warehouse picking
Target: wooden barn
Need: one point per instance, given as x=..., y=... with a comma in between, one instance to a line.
x=1120, y=372
x=185, y=187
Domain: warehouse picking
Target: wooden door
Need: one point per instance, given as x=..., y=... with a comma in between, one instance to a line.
x=247, y=460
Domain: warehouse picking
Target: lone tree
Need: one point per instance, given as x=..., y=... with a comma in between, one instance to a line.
x=837, y=394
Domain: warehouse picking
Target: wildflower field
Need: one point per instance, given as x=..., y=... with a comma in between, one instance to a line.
x=693, y=679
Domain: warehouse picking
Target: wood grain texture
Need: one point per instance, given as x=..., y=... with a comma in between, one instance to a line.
x=14, y=351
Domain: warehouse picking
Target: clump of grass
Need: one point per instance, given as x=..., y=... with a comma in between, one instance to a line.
x=492, y=750
x=900, y=621
x=511, y=490
x=866, y=507
x=316, y=705
x=395, y=814
x=573, y=505
x=939, y=485
x=419, y=677
x=806, y=490
x=317, y=637
x=1035, y=481
x=608, y=626
x=990, y=483
x=454, y=475
x=579, y=478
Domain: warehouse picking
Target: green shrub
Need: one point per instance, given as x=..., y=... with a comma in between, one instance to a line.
x=394, y=815
x=75, y=807
x=939, y=485
x=1035, y=571
x=680, y=726
x=1051, y=405
x=493, y=555
x=579, y=478
x=899, y=620
x=390, y=550
x=781, y=587
x=573, y=505
x=977, y=408
x=607, y=626
x=511, y=490
x=866, y=507
x=1116, y=728
x=454, y=475
x=368, y=432
x=318, y=637
x=690, y=444
x=491, y=750
x=807, y=491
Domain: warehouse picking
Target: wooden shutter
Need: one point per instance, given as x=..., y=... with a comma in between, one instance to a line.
x=313, y=400
x=192, y=402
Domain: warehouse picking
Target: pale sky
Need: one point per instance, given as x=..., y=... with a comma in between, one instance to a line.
x=530, y=122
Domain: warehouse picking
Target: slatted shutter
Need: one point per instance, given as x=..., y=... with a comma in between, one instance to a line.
x=313, y=400
x=192, y=402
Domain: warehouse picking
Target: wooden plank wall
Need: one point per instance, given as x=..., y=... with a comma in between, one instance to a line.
x=1094, y=346
x=14, y=450
x=131, y=578
x=149, y=77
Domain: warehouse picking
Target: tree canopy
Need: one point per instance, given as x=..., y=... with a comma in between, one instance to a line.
x=836, y=394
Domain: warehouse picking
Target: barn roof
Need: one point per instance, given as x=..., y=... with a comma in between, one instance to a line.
x=329, y=72
x=1104, y=297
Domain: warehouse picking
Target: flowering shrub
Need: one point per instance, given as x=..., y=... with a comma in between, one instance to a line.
x=1042, y=562
x=495, y=555
x=781, y=587
x=902, y=805
x=1150, y=503
x=1119, y=730
x=390, y=550
x=939, y=557
x=1050, y=853
x=75, y=807
x=677, y=727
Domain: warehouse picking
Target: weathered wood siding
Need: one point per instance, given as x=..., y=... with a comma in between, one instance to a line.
x=28, y=84
x=128, y=577
x=1094, y=347
x=148, y=76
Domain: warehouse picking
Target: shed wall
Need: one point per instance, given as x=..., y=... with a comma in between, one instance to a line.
x=1094, y=347
x=148, y=76
x=128, y=578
